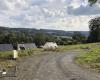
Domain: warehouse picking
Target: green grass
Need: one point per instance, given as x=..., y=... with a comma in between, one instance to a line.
x=5, y=54
x=78, y=46
x=5, y=59
x=27, y=52
x=90, y=59
x=21, y=53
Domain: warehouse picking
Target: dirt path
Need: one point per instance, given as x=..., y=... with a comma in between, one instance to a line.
x=52, y=66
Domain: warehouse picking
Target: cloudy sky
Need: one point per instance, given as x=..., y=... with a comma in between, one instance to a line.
x=47, y=14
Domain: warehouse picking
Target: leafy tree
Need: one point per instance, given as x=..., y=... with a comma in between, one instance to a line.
x=49, y=38
x=94, y=25
x=78, y=37
x=92, y=2
x=39, y=39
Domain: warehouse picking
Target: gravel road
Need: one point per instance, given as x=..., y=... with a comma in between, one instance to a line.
x=52, y=66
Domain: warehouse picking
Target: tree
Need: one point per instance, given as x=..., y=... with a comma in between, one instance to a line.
x=92, y=2
x=50, y=38
x=78, y=37
x=94, y=25
x=39, y=39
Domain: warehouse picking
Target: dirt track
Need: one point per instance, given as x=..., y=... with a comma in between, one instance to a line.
x=60, y=66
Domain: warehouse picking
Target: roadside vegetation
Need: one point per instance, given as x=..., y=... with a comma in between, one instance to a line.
x=6, y=57
x=5, y=54
x=78, y=47
x=36, y=51
x=90, y=59
x=21, y=53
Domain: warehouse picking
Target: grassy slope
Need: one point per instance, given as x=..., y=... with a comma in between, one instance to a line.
x=78, y=46
x=90, y=59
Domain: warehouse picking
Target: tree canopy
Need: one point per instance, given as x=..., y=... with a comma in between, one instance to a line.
x=92, y=2
x=94, y=25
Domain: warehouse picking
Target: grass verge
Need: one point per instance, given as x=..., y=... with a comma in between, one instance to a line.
x=90, y=59
x=6, y=56
x=78, y=46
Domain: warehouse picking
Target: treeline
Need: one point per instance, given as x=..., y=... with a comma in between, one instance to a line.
x=39, y=38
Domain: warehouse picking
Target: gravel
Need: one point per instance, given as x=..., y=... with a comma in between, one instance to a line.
x=54, y=66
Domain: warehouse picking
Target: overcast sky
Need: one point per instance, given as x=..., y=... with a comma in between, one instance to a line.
x=66, y=15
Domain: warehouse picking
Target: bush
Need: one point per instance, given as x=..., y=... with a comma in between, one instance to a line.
x=27, y=52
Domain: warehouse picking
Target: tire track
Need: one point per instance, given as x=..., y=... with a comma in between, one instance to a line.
x=71, y=70
x=65, y=71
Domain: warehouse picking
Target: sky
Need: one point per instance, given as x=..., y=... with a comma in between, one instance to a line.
x=68, y=15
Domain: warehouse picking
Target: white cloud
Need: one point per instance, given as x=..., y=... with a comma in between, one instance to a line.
x=75, y=3
x=48, y=14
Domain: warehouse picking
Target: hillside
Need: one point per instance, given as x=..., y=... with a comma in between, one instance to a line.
x=46, y=31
